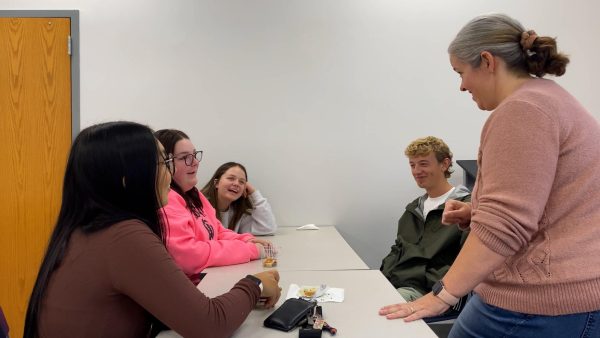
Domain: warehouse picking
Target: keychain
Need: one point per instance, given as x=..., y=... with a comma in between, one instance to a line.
x=315, y=324
x=318, y=323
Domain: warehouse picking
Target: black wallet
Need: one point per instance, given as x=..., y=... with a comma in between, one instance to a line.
x=289, y=314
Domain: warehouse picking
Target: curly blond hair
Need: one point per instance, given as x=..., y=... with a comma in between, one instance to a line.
x=430, y=144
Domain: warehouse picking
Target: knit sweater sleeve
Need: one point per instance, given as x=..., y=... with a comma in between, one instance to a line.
x=261, y=220
x=517, y=163
x=140, y=267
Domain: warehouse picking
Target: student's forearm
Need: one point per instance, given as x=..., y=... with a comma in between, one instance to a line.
x=474, y=263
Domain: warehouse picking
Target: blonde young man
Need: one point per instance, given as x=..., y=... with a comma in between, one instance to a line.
x=424, y=247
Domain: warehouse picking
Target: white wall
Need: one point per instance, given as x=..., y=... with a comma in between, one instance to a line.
x=317, y=98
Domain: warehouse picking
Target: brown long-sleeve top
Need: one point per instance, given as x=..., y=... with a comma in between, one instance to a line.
x=110, y=281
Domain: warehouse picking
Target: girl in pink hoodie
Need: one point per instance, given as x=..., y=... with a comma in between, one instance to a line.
x=195, y=237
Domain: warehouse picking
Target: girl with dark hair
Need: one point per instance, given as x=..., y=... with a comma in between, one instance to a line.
x=106, y=271
x=242, y=208
x=196, y=238
x=532, y=255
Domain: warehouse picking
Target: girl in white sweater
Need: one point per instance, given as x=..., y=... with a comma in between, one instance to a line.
x=240, y=206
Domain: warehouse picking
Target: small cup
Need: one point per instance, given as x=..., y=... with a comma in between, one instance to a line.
x=270, y=260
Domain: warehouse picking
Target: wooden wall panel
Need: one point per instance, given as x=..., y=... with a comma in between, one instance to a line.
x=35, y=136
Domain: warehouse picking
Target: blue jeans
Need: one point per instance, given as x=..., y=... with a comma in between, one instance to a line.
x=479, y=319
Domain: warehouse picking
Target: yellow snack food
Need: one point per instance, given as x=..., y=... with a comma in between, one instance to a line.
x=309, y=292
x=269, y=262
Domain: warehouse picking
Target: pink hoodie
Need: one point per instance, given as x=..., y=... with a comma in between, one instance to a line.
x=198, y=243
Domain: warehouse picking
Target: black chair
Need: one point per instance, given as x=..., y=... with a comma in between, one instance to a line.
x=452, y=312
x=442, y=324
x=3, y=325
x=470, y=172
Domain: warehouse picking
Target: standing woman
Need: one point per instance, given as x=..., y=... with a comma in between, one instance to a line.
x=106, y=271
x=241, y=207
x=196, y=239
x=532, y=256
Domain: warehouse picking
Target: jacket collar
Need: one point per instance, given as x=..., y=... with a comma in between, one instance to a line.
x=417, y=205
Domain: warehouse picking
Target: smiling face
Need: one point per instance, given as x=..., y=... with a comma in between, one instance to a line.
x=231, y=185
x=185, y=176
x=428, y=171
x=477, y=81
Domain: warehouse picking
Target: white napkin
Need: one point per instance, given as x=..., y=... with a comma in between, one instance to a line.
x=308, y=227
x=330, y=294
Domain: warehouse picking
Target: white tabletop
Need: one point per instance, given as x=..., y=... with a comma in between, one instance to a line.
x=323, y=249
x=365, y=292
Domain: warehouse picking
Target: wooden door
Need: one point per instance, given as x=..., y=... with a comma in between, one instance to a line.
x=35, y=136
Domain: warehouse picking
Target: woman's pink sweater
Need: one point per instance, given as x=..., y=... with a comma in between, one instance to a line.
x=200, y=242
x=537, y=202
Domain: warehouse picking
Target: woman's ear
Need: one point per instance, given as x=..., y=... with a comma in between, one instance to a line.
x=488, y=61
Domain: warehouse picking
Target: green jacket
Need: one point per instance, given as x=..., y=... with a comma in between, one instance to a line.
x=424, y=249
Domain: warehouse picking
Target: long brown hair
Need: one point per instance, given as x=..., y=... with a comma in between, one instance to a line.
x=240, y=206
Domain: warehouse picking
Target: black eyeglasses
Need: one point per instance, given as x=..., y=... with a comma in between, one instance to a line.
x=169, y=163
x=189, y=158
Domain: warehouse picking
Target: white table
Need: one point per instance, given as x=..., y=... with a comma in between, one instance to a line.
x=323, y=249
x=365, y=292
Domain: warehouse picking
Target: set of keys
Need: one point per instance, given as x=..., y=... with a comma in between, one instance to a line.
x=318, y=323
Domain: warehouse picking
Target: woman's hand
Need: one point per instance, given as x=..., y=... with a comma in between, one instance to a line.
x=262, y=242
x=249, y=189
x=271, y=290
x=263, y=246
x=456, y=212
x=426, y=306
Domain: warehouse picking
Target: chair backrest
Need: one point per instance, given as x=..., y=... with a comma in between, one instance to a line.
x=3, y=325
x=470, y=172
